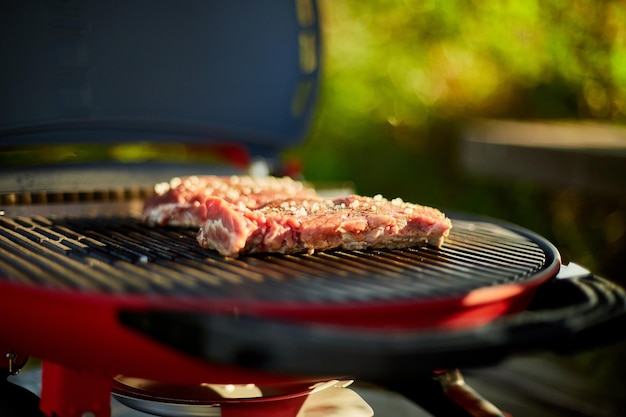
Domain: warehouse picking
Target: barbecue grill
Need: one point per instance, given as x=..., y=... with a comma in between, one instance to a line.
x=113, y=306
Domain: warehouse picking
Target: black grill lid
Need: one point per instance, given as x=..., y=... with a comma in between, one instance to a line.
x=120, y=72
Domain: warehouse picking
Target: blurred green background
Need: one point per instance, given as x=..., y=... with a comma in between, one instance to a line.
x=402, y=78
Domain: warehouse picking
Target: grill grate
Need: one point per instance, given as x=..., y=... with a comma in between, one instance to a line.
x=120, y=255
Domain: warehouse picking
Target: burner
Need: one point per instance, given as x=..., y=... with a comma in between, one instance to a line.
x=229, y=400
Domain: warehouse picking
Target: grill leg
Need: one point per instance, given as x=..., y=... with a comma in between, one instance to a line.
x=68, y=392
x=446, y=394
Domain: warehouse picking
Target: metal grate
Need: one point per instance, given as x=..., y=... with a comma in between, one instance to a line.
x=120, y=255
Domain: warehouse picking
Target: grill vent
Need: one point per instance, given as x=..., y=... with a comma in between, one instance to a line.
x=120, y=255
x=47, y=197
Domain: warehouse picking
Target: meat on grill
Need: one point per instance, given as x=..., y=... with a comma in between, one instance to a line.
x=242, y=214
x=181, y=202
x=308, y=224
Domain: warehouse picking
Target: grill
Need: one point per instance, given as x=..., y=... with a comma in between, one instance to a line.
x=408, y=311
x=120, y=255
x=402, y=312
x=116, y=255
x=110, y=305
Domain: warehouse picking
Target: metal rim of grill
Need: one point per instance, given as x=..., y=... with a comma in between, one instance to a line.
x=120, y=255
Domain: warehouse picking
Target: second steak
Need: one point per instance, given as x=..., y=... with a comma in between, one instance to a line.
x=314, y=224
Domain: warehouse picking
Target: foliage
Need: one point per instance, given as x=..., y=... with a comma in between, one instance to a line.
x=400, y=78
x=402, y=60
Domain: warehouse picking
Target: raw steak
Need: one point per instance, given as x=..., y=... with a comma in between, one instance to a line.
x=181, y=202
x=308, y=224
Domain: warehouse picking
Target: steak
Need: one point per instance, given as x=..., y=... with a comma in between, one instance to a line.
x=181, y=201
x=308, y=224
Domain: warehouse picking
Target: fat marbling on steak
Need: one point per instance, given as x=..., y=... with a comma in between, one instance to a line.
x=310, y=224
x=181, y=201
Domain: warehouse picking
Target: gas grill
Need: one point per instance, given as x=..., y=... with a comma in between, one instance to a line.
x=113, y=306
x=379, y=316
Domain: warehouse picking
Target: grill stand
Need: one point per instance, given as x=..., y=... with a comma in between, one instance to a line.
x=71, y=393
x=66, y=392
x=445, y=393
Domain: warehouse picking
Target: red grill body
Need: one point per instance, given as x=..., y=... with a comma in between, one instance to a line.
x=96, y=295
